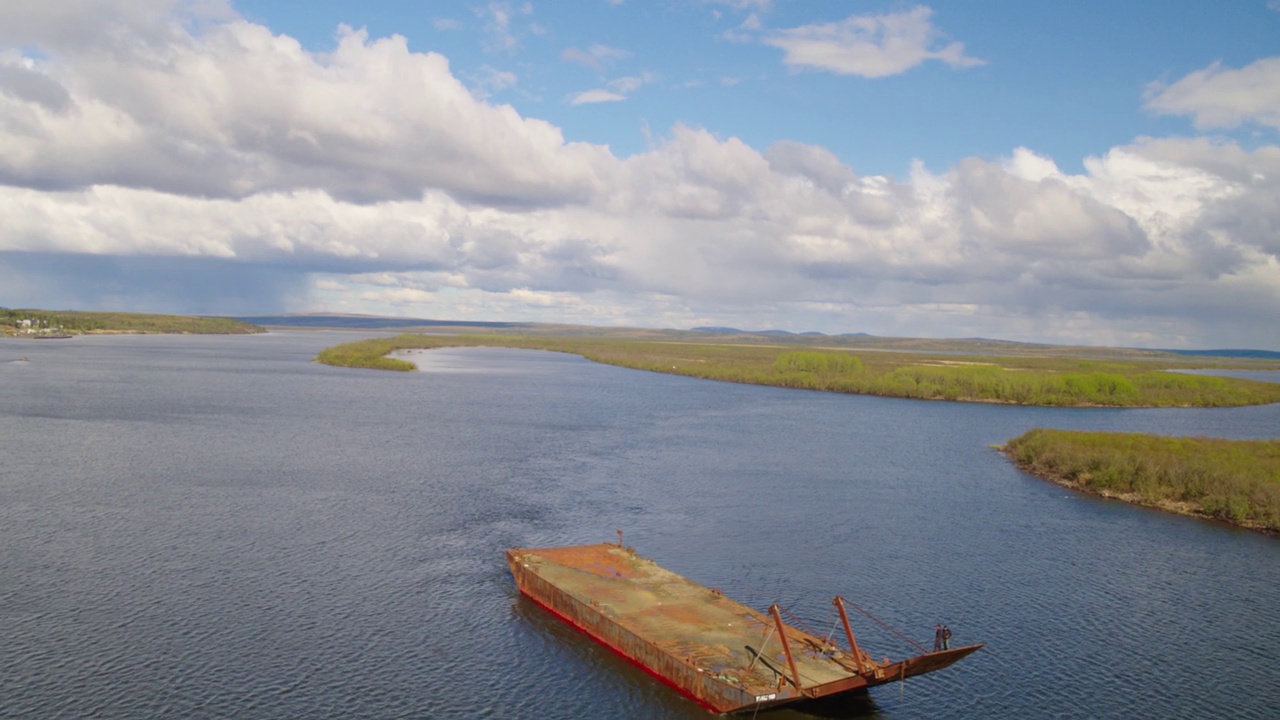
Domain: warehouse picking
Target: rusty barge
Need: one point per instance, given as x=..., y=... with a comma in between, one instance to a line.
x=722, y=654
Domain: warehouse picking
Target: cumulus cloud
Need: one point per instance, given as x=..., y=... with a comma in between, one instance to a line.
x=1040, y=219
x=368, y=179
x=869, y=46
x=20, y=81
x=1218, y=97
x=810, y=162
x=257, y=113
x=71, y=24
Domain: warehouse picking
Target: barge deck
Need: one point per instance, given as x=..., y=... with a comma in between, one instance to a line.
x=717, y=651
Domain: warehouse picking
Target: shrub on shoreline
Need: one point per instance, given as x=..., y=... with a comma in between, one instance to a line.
x=367, y=354
x=1233, y=480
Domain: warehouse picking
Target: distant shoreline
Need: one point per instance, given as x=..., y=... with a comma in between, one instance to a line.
x=32, y=323
x=1036, y=381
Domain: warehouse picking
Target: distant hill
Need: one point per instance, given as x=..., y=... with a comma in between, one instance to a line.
x=736, y=331
x=367, y=322
x=972, y=345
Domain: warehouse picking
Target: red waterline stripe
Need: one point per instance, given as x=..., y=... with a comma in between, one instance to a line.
x=633, y=661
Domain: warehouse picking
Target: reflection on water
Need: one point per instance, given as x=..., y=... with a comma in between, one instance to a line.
x=216, y=526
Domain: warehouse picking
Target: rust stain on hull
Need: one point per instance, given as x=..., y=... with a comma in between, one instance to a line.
x=722, y=654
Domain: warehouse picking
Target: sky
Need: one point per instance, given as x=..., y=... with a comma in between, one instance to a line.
x=1088, y=172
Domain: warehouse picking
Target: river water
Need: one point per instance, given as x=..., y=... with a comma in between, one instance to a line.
x=216, y=527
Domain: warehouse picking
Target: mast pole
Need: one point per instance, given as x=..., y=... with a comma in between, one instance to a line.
x=848, y=631
x=786, y=646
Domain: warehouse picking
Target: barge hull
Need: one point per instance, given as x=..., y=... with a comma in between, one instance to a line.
x=593, y=620
x=719, y=653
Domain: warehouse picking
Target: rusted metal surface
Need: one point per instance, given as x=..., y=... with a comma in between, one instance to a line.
x=695, y=639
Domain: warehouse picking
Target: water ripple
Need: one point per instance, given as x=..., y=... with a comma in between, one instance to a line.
x=220, y=528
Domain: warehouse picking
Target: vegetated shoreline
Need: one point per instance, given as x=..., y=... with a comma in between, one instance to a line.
x=1041, y=381
x=29, y=323
x=1232, y=481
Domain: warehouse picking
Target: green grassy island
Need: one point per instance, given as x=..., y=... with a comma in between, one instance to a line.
x=1237, y=481
x=46, y=323
x=1024, y=380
